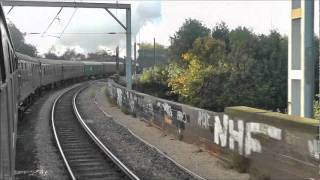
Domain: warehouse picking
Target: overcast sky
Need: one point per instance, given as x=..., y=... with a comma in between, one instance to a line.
x=159, y=19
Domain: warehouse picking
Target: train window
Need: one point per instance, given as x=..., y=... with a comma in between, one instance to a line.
x=14, y=60
x=9, y=58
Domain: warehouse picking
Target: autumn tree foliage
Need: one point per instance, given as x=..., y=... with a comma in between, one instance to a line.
x=222, y=67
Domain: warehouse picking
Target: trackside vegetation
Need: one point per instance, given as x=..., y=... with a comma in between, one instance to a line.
x=220, y=67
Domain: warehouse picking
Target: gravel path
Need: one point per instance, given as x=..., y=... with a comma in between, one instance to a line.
x=37, y=155
x=146, y=162
x=190, y=156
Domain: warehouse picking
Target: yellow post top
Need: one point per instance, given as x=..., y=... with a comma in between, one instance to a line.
x=296, y=13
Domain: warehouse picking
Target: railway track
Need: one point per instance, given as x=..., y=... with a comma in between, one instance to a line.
x=84, y=155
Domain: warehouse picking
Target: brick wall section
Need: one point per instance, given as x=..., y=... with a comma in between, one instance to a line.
x=277, y=145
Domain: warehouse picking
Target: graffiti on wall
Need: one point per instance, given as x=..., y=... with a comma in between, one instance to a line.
x=234, y=134
x=314, y=148
x=228, y=132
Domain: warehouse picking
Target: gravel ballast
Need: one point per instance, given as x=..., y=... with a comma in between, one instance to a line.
x=37, y=156
x=196, y=159
x=144, y=161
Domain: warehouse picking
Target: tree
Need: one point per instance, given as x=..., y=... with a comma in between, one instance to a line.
x=19, y=42
x=51, y=54
x=209, y=50
x=271, y=71
x=183, y=39
x=71, y=54
x=146, y=55
x=154, y=81
x=221, y=32
x=186, y=82
x=242, y=48
x=98, y=55
x=252, y=71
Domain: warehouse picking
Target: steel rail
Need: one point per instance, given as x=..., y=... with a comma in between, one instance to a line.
x=56, y=135
x=121, y=165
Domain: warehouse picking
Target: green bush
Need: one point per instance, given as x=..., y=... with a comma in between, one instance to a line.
x=153, y=81
x=316, y=109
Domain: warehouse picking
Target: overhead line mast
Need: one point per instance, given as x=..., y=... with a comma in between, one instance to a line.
x=301, y=59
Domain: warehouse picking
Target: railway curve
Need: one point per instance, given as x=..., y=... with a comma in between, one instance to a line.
x=84, y=155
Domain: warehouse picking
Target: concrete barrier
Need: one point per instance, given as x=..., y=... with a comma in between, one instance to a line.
x=269, y=145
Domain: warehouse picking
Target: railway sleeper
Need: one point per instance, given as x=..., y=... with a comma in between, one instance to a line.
x=87, y=156
x=101, y=174
x=80, y=161
x=87, y=163
x=78, y=153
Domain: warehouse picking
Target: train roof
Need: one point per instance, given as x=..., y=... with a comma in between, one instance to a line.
x=56, y=61
x=99, y=63
x=27, y=58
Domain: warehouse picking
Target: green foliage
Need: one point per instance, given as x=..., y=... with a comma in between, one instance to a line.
x=71, y=54
x=154, y=81
x=209, y=50
x=19, y=42
x=229, y=68
x=316, y=109
x=221, y=32
x=154, y=74
x=148, y=46
x=146, y=55
x=51, y=55
x=232, y=68
x=101, y=54
x=183, y=39
x=186, y=82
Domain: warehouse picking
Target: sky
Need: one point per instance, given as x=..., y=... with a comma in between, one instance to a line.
x=150, y=19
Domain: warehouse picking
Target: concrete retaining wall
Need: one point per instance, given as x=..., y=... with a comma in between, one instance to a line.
x=272, y=145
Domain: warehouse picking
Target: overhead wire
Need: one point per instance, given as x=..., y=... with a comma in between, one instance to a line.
x=10, y=10
x=68, y=23
x=44, y=32
x=83, y=33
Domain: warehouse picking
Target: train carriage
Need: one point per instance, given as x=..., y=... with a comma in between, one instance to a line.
x=110, y=67
x=20, y=77
x=8, y=101
x=73, y=69
x=29, y=75
x=92, y=68
x=51, y=71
